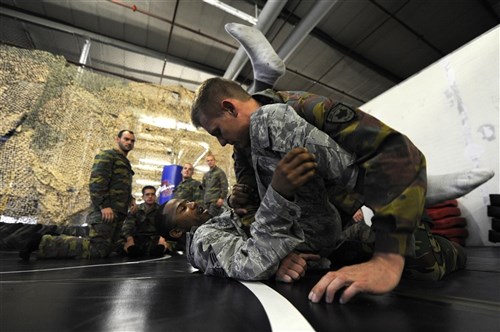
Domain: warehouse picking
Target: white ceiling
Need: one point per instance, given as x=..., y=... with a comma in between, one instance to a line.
x=356, y=51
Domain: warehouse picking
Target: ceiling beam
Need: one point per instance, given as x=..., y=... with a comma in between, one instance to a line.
x=104, y=39
x=291, y=18
x=305, y=26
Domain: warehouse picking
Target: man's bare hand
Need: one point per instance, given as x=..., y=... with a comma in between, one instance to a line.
x=358, y=216
x=379, y=275
x=241, y=197
x=294, y=266
x=107, y=215
x=130, y=242
x=219, y=202
x=296, y=168
x=165, y=243
x=133, y=206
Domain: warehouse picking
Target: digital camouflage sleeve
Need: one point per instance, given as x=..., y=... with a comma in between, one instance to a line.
x=274, y=131
x=221, y=247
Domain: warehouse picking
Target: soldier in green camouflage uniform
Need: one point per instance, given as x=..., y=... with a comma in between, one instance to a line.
x=189, y=188
x=393, y=172
x=383, y=173
x=391, y=178
x=215, y=187
x=110, y=193
x=139, y=234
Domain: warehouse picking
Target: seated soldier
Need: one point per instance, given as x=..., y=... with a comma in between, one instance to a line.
x=139, y=232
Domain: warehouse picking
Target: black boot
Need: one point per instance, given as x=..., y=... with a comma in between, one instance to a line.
x=134, y=252
x=31, y=246
x=157, y=251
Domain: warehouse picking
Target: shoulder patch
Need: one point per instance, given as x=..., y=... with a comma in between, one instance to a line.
x=340, y=113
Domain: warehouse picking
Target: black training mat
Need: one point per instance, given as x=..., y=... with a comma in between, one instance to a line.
x=167, y=294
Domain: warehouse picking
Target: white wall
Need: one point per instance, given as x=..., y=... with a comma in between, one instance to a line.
x=450, y=110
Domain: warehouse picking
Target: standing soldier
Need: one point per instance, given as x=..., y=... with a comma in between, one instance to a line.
x=111, y=196
x=215, y=187
x=189, y=188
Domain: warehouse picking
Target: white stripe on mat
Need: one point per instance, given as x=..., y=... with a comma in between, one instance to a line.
x=88, y=266
x=282, y=315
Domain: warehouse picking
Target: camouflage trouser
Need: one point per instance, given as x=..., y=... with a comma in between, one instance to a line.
x=435, y=256
x=101, y=241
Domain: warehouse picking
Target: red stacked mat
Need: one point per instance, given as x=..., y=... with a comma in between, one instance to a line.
x=448, y=222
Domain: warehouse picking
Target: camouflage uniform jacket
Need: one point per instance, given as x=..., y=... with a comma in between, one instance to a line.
x=189, y=189
x=214, y=185
x=221, y=247
x=111, y=182
x=392, y=179
x=274, y=131
x=142, y=222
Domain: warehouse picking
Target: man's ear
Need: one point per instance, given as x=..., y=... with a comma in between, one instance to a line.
x=176, y=233
x=229, y=107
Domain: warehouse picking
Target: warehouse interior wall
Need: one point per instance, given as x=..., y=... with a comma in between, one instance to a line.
x=450, y=110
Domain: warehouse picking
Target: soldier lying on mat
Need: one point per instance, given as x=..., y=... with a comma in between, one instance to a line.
x=277, y=243
x=287, y=235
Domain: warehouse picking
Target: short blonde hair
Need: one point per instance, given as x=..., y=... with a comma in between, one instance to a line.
x=209, y=96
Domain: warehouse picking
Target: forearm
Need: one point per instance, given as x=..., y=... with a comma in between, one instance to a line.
x=99, y=181
x=127, y=229
x=198, y=195
x=220, y=248
x=99, y=195
x=334, y=164
x=394, y=222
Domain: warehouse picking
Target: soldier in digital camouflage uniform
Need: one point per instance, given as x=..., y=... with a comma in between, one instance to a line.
x=139, y=234
x=189, y=188
x=391, y=178
x=215, y=187
x=274, y=131
x=220, y=245
x=111, y=196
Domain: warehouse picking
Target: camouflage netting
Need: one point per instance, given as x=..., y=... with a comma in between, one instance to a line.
x=55, y=119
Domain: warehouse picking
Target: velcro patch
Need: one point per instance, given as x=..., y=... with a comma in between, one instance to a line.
x=340, y=113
